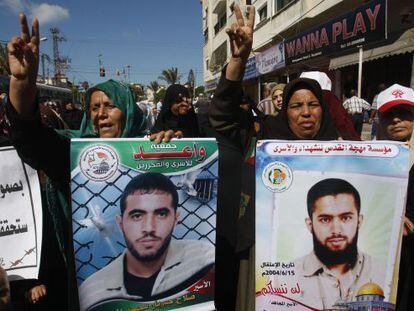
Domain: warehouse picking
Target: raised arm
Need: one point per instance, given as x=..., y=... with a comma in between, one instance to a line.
x=225, y=114
x=23, y=54
x=241, y=40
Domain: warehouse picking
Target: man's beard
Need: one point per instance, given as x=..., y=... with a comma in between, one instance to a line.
x=151, y=257
x=329, y=258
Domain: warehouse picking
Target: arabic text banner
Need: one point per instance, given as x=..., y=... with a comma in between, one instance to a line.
x=21, y=217
x=328, y=224
x=144, y=217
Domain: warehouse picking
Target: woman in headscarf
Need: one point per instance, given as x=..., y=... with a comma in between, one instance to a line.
x=396, y=121
x=177, y=112
x=277, y=96
x=110, y=112
x=303, y=116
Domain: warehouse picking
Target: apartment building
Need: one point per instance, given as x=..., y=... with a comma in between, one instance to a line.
x=283, y=28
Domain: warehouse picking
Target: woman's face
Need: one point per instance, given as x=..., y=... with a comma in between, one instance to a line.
x=182, y=106
x=398, y=122
x=106, y=118
x=304, y=113
x=277, y=98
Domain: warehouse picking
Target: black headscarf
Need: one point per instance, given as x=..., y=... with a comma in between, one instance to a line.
x=277, y=127
x=166, y=120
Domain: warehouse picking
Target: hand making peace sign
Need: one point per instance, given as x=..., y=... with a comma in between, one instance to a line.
x=23, y=54
x=241, y=40
x=23, y=51
x=241, y=33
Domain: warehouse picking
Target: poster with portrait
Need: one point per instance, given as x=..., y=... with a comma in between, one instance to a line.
x=144, y=217
x=328, y=224
x=20, y=217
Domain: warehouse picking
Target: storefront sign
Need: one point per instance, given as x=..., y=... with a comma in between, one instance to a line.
x=211, y=85
x=250, y=71
x=271, y=59
x=364, y=25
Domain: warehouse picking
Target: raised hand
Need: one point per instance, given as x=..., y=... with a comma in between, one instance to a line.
x=23, y=54
x=241, y=33
x=23, y=51
x=241, y=40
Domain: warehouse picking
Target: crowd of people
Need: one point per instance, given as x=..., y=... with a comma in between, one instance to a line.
x=303, y=109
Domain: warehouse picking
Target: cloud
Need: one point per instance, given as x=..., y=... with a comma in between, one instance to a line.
x=16, y=6
x=46, y=13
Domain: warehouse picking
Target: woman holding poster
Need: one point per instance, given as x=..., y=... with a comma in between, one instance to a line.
x=110, y=112
x=304, y=115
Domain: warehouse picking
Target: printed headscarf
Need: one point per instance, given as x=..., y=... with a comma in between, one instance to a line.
x=278, y=127
x=120, y=93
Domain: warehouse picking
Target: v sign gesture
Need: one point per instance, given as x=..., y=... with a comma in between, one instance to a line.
x=23, y=54
x=241, y=40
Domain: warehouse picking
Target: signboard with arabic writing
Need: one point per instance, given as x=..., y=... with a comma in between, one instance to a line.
x=20, y=217
x=364, y=25
x=328, y=220
x=144, y=218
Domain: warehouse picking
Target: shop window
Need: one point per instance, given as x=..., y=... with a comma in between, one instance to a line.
x=263, y=13
x=280, y=4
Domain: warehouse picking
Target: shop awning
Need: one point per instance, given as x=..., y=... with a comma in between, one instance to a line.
x=404, y=44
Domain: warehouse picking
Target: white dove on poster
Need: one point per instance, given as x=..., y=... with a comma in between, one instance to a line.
x=98, y=222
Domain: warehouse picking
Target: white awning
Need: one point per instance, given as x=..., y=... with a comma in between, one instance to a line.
x=404, y=44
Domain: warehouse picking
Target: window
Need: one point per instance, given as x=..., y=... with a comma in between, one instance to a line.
x=263, y=13
x=280, y=4
x=208, y=64
x=222, y=20
x=206, y=35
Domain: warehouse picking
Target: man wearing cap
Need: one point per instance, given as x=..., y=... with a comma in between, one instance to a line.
x=396, y=111
x=395, y=105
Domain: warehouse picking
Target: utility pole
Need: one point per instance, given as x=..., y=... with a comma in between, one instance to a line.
x=59, y=62
x=129, y=73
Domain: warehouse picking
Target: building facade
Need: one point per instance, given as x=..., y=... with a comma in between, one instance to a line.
x=387, y=50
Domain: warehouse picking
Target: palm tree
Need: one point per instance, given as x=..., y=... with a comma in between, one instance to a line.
x=4, y=62
x=170, y=76
x=154, y=86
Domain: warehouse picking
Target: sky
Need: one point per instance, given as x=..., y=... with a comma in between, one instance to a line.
x=148, y=35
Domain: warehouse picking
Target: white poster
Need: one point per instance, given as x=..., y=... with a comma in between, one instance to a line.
x=20, y=217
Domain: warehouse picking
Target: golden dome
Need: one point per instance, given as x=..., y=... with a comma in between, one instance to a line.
x=370, y=289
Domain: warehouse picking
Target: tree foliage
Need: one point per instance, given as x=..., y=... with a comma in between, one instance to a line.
x=170, y=75
x=4, y=62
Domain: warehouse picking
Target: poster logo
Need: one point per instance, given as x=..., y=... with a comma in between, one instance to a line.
x=99, y=162
x=277, y=177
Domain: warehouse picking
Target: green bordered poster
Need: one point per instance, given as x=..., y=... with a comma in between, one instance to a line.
x=144, y=217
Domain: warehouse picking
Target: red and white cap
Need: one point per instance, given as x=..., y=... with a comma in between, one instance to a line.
x=395, y=95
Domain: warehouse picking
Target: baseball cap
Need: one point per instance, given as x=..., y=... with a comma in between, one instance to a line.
x=321, y=77
x=395, y=95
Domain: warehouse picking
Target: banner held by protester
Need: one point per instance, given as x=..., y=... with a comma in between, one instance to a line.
x=328, y=223
x=144, y=223
x=21, y=217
